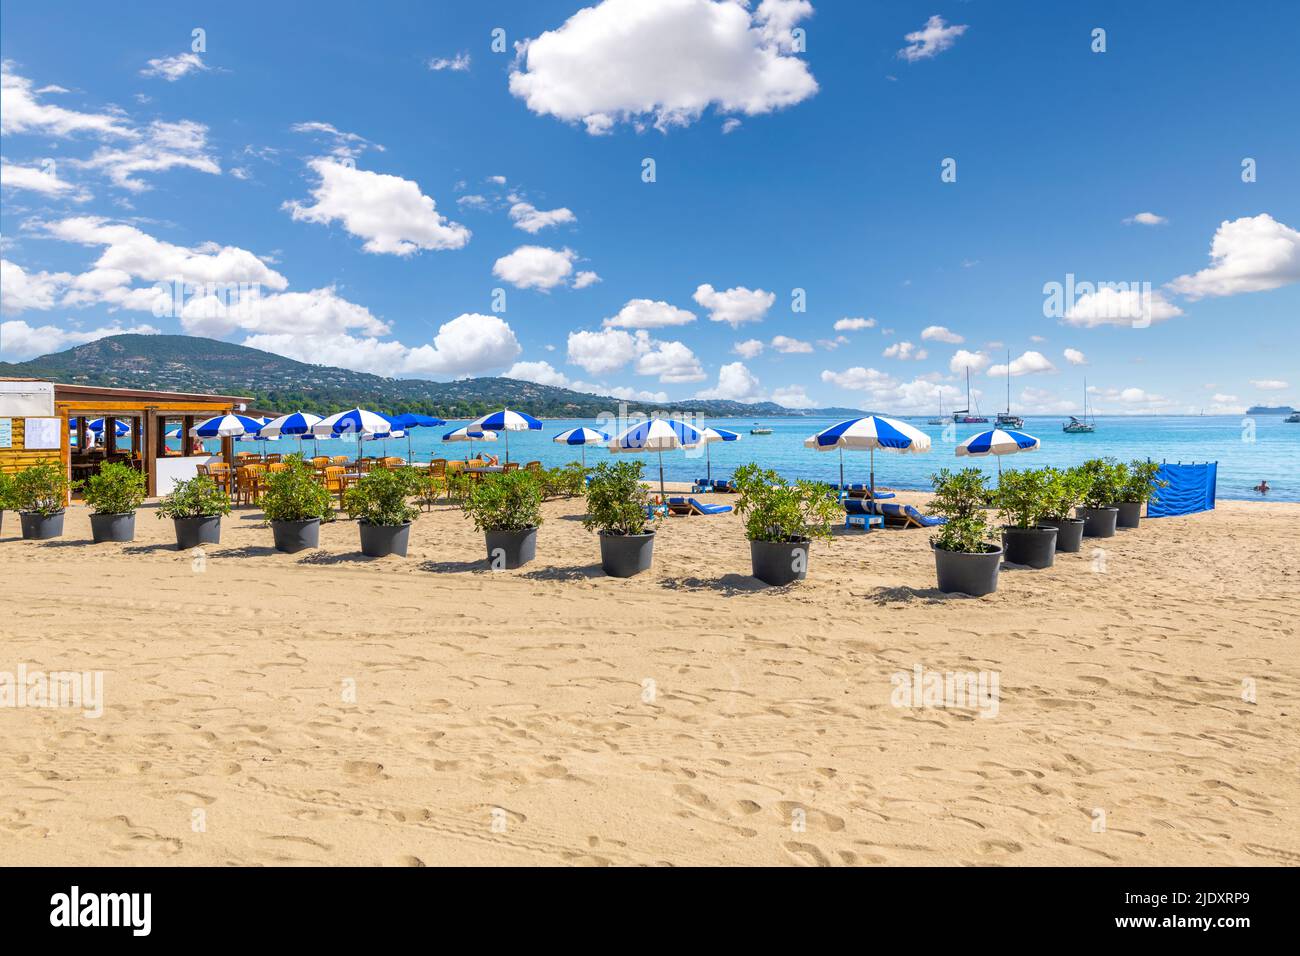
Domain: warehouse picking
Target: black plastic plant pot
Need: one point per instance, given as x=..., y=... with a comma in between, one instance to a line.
x=1099, y=522
x=1069, y=534
x=381, y=540
x=623, y=555
x=1030, y=547
x=1130, y=513
x=294, y=536
x=119, y=527
x=192, y=532
x=779, y=562
x=39, y=527
x=968, y=572
x=507, y=550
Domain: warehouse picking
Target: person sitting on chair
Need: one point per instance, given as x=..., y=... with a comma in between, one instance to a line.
x=491, y=459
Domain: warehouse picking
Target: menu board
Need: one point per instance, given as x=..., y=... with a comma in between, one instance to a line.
x=41, y=433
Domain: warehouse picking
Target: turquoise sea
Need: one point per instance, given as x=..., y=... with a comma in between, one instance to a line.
x=1247, y=449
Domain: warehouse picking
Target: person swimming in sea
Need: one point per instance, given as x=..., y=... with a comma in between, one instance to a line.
x=1262, y=488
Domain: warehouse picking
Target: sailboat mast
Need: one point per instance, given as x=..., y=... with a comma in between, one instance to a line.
x=1008, y=381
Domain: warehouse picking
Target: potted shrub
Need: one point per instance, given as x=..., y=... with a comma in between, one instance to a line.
x=378, y=503
x=1063, y=493
x=1021, y=499
x=507, y=508
x=781, y=519
x=113, y=493
x=1103, y=482
x=617, y=504
x=196, y=507
x=964, y=559
x=1137, y=486
x=295, y=503
x=40, y=493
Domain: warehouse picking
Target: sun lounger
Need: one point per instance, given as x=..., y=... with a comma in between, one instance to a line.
x=715, y=485
x=691, y=506
x=859, y=490
x=858, y=514
x=906, y=515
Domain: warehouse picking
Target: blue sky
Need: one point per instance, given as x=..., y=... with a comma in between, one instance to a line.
x=374, y=186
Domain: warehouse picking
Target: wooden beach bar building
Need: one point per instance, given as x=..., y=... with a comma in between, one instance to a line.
x=43, y=421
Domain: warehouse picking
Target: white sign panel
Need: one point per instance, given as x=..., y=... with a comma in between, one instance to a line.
x=42, y=433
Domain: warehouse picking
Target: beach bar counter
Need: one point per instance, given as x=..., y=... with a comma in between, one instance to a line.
x=43, y=421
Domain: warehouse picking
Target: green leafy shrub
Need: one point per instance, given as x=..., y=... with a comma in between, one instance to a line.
x=960, y=497
x=295, y=494
x=511, y=501
x=199, y=497
x=1105, y=481
x=41, y=489
x=1021, y=497
x=1064, y=492
x=779, y=512
x=567, y=481
x=6, y=491
x=116, y=489
x=1141, y=484
x=379, y=498
x=616, y=499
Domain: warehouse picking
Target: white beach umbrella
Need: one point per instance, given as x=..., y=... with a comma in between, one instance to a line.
x=470, y=434
x=355, y=421
x=506, y=421
x=582, y=437
x=657, y=435
x=709, y=436
x=871, y=432
x=999, y=442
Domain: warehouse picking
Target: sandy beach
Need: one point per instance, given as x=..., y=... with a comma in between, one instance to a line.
x=326, y=708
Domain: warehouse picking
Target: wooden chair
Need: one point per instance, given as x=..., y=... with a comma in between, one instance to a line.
x=321, y=461
x=534, y=466
x=342, y=460
x=438, y=473
x=336, y=481
x=248, y=483
x=219, y=472
x=277, y=466
x=509, y=467
x=392, y=462
x=274, y=459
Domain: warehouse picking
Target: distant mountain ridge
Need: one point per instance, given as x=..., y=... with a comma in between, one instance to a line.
x=184, y=363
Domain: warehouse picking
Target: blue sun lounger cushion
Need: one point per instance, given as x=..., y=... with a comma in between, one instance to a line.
x=904, y=513
x=858, y=513
x=699, y=507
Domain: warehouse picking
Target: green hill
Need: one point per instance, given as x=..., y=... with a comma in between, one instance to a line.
x=186, y=363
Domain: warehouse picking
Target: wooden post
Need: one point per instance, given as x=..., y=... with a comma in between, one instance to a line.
x=187, y=422
x=152, y=430
x=110, y=437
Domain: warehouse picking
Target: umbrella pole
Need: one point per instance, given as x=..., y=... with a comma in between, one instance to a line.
x=873, y=474
x=663, y=495
x=584, y=457
x=507, y=446
x=410, y=455
x=708, y=462
x=841, y=488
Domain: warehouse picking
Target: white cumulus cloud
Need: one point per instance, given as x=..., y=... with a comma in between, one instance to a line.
x=1028, y=363
x=535, y=267
x=390, y=213
x=532, y=220
x=938, y=333
x=648, y=314
x=932, y=39
x=664, y=62
x=1251, y=254
x=735, y=306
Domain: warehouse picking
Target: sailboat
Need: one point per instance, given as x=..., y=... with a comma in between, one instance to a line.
x=1080, y=427
x=1006, y=419
x=939, y=419
x=963, y=416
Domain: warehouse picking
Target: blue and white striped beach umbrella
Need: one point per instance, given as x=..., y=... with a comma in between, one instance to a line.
x=581, y=436
x=470, y=434
x=355, y=421
x=710, y=435
x=657, y=435
x=997, y=441
x=410, y=420
x=872, y=432
x=506, y=421
x=120, y=428
x=227, y=426
x=295, y=424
